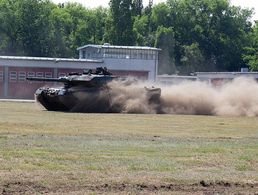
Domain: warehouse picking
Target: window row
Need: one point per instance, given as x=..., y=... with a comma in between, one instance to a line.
x=1, y=76
x=133, y=54
x=20, y=76
x=120, y=54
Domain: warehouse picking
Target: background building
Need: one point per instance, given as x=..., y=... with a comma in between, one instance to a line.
x=139, y=62
x=213, y=78
x=143, y=60
x=174, y=79
x=218, y=78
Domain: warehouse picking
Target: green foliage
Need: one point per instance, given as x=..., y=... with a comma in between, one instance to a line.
x=137, y=7
x=215, y=33
x=41, y=28
x=219, y=29
x=193, y=60
x=251, y=53
x=8, y=27
x=62, y=23
x=251, y=57
x=165, y=41
x=160, y=15
x=35, y=32
x=89, y=28
x=121, y=31
x=141, y=30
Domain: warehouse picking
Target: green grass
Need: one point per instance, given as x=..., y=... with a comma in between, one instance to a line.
x=72, y=149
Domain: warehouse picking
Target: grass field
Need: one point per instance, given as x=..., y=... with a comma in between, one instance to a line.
x=72, y=153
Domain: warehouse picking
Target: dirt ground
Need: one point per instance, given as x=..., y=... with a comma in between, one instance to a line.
x=203, y=187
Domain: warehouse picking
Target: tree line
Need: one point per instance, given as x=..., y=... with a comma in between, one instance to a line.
x=194, y=35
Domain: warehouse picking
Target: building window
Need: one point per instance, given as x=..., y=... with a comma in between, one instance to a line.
x=83, y=54
x=139, y=54
x=48, y=74
x=22, y=76
x=146, y=56
x=31, y=74
x=13, y=76
x=153, y=55
x=1, y=76
x=40, y=74
x=134, y=54
x=127, y=54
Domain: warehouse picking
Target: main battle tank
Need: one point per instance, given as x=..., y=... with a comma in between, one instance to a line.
x=83, y=92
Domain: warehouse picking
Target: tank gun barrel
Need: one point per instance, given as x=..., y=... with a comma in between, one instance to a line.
x=61, y=80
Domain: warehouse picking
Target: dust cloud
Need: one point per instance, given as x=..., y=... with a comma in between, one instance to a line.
x=238, y=97
x=129, y=96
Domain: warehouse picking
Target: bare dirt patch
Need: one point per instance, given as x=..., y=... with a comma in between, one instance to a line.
x=23, y=188
x=206, y=187
x=202, y=187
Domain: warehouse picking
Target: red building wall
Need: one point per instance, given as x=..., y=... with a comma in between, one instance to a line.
x=19, y=87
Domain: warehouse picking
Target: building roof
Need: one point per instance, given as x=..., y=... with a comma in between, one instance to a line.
x=165, y=76
x=106, y=45
x=224, y=75
x=48, y=59
x=230, y=73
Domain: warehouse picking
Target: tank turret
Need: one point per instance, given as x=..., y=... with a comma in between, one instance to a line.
x=81, y=92
x=87, y=79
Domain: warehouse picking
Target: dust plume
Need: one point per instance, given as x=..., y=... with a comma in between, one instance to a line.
x=238, y=97
x=129, y=96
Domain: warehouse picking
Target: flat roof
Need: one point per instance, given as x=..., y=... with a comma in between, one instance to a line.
x=48, y=59
x=119, y=47
x=232, y=73
x=176, y=77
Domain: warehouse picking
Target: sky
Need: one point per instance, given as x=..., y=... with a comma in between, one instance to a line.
x=96, y=3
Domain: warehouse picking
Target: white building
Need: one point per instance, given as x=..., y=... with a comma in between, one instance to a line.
x=218, y=78
x=143, y=61
x=214, y=78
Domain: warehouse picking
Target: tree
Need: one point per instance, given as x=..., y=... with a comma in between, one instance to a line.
x=121, y=23
x=219, y=29
x=160, y=16
x=9, y=27
x=165, y=41
x=62, y=23
x=35, y=31
x=137, y=7
x=141, y=30
x=193, y=60
x=250, y=55
x=91, y=29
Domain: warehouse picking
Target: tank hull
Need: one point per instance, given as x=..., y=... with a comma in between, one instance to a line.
x=91, y=100
x=88, y=100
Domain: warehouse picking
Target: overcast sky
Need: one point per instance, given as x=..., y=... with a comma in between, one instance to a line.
x=96, y=3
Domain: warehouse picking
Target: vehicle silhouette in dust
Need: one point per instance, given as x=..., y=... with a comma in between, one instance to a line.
x=84, y=92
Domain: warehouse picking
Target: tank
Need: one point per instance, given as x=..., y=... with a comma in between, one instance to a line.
x=84, y=92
